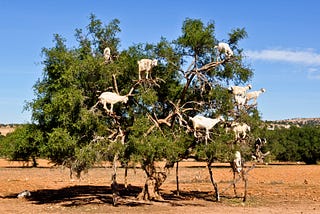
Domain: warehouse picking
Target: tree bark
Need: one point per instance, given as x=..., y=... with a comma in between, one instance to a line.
x=177, y=178
x=245, y=179
x=126, y=176
x=214, y=183
x=34, y=161
x=114, y=184
x=152, y=185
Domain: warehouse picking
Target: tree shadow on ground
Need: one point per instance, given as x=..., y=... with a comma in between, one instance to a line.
x=198, y=195
x=81, y=195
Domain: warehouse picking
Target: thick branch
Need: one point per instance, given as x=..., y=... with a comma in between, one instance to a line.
x=211, y=65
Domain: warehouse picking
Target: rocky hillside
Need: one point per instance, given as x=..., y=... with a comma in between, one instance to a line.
x=298, y=121
x=7, y=128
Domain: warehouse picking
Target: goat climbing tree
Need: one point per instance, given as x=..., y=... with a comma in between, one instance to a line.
x=190, y=78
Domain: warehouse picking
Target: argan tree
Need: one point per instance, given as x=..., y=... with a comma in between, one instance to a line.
x=201, y=76
x=72, y=78
x=191, y=78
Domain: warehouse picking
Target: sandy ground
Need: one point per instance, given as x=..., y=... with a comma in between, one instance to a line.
x=274, y=188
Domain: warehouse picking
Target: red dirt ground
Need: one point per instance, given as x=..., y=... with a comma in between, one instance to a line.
x=274, y=188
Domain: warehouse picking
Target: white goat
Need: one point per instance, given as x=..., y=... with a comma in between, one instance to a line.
x=240, y=130
x=206, y=123
x=239, y=90
x=224, y=48
x=146, y=65
x=240, y=100
x=111, y=98
x=107, y=54
x=254, y=95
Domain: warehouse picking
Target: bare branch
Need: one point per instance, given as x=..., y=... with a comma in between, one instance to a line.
x=237, y=180
x=211, y=65
x=157, y=123
x=115, y=86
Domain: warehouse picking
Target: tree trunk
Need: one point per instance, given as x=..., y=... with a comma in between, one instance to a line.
x=150, y=190
x=245, y=179
x=177, y=178
x=153, y=182
x=214, y=183
x=34, y=161
x=234, y=183
x=126, y=176
x=114, y=184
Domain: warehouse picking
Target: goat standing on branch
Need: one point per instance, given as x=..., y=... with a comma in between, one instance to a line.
x=239, y=90
x=253, y=95
x=199, y=122
x=111, y=98
x=240, y=130
x=146, y=65
x=107, y=54
x=224, y=48
x=240, y=100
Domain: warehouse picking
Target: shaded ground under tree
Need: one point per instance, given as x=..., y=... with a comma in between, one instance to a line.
x=272, y=188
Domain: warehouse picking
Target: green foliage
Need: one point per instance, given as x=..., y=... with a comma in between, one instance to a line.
x=196, y=37
x=24, y=144
x=236, y=35
x=295, y=144
x=156, y=146
x=75, y=135
x=67, y=91
x=220, y=148
x=60, y=144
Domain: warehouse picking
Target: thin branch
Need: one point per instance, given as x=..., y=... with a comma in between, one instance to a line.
x=115, y=86
x=236, y=181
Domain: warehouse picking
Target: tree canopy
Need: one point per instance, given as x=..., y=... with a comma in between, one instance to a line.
x=191, y=78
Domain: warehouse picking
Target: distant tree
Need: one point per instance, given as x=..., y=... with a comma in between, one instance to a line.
x=295, y=144
x=309, y=144
x=24, y=144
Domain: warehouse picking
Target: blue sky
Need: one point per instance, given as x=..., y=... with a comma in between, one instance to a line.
x=282, y=47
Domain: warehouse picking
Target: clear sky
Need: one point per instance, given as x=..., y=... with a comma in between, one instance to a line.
x=283, y=45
